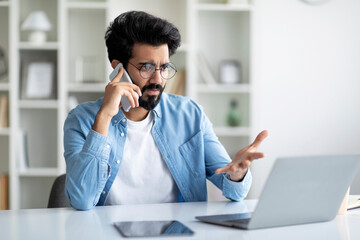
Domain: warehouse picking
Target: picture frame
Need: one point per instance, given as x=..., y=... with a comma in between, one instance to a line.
x=38, y=80
x=230, y=72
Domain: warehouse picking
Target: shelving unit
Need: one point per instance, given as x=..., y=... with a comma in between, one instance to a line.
x=5, y=44
x=221, y=88
x=4, y=86
x=77, y=36
x=222, y=32
x=4, y=4
x=38, y=104
x=37, y=117
x=4, y=132
x=45, y=46
x=39, y=172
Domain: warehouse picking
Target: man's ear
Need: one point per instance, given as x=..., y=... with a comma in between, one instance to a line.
x=114, y=63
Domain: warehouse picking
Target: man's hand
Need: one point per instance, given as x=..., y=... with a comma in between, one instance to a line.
x=243, y=159
x=113, y=93
x=112, y=102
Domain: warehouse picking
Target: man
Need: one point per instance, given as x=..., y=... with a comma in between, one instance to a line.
x=164, y=148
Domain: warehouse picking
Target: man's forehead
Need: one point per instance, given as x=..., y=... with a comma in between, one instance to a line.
x=149, y=53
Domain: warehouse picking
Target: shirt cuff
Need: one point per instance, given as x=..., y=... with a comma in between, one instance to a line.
x=236, y=191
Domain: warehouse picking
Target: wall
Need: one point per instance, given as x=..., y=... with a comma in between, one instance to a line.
x=306, y=79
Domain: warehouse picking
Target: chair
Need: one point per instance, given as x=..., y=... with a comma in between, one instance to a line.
x=57, y=197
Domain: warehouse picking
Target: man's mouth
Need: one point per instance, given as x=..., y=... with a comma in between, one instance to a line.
x=152, y=91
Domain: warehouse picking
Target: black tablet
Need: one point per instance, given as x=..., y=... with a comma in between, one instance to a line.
x=153, y=229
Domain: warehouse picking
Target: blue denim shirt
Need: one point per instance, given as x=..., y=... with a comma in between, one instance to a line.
x=182, y=132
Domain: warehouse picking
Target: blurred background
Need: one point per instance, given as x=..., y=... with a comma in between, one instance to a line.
x=288, y=66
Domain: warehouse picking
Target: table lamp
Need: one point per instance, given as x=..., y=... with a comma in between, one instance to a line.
x=38, y=23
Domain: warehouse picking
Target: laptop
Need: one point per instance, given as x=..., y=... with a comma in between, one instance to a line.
x=298, y=190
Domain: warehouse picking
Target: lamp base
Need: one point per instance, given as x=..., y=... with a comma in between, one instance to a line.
x=37, y=37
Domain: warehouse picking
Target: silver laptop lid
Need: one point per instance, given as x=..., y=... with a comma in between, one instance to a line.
x=304, y=190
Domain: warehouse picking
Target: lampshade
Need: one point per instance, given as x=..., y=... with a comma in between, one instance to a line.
x=37, y=21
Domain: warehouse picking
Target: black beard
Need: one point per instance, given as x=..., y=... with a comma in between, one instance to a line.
x=151, y=101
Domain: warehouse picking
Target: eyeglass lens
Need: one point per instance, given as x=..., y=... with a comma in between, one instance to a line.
x=167, y=71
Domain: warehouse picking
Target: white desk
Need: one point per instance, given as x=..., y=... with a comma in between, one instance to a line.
x=66, y=223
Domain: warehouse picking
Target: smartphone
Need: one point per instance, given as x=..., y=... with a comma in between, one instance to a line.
x=125, y=103
x=153, y=229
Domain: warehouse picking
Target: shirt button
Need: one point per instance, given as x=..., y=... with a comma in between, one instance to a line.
x=117, y=161
x=124, y=120
x=108, y=146
x=122, y=134
x=115, y=121
x=103, y=192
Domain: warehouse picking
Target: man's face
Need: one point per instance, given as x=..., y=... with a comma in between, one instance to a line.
x=153, y=87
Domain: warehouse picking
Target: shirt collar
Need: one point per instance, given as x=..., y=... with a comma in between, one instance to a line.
x=119, y=117
x=157, y=110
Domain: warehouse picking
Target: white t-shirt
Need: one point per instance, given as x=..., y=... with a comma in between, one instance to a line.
x=143, y=176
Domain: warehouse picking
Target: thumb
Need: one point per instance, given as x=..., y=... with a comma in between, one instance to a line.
x=260, y=137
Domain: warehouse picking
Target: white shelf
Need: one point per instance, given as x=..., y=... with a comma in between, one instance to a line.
x=232, y=131
x=39, y=172
x=4, y=86
x=223, y=7
x=4, y=131
x=43, y=46
x=223, y=88
x=87, y=87
x=38, y=104
x=4, y=4
x=87, y=5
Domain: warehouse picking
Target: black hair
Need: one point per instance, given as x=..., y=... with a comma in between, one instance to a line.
x=139, y=27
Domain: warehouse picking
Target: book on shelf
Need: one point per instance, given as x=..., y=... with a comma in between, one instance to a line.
x=4, y=192
x=176, y=85
x=22, y=153
x=205, y=70
x=4, y=111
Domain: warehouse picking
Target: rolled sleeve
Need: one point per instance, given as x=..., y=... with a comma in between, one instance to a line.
x=97, y=145
x=236, y=191
x=87, y=156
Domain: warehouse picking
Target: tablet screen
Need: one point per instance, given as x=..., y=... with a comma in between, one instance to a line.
x=152, y=228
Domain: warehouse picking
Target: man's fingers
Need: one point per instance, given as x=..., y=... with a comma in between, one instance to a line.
x=256, y=155
x=135, y=97
x=223, y=169
x=118, y=76
x=136, y=89
x=260, y=137
x=232, y=167
x=130, y=96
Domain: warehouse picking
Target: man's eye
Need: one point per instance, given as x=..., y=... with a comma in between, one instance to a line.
x=165, y=66
x=147, y=67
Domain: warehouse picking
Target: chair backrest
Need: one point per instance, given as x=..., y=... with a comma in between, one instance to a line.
x=57, y=197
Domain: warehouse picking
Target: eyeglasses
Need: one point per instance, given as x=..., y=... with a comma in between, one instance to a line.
x=147, y=70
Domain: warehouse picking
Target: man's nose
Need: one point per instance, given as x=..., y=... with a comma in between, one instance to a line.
x=156, y=78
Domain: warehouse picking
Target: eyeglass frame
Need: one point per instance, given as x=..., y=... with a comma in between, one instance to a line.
x=139, y=69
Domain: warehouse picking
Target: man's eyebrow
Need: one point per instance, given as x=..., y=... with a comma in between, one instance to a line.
x=152, y=63
x=142, y=63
